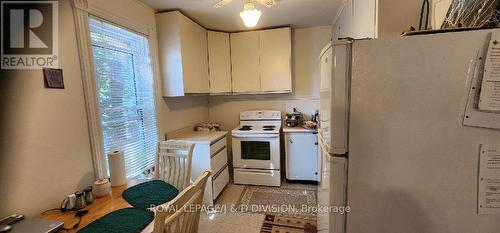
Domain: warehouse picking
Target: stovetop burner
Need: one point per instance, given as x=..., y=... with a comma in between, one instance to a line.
x=268, y=129
x=245, y=128
x=268, y=126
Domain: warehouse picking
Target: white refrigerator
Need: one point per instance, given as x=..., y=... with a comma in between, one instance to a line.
x=333, y=132
x=394, y=144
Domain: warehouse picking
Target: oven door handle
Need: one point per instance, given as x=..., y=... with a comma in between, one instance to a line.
x=255, y=171
x=255, y=135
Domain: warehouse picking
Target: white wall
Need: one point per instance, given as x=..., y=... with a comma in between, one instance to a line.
x=180, y=112
x=396, y=16
x=44, y=145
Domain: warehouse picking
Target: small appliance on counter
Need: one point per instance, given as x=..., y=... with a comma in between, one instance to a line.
x=294, y=119
x=102, y=187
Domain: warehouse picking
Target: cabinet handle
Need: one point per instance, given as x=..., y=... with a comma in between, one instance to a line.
x=316, y=143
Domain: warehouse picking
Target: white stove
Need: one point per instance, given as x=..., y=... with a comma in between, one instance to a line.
x=256, y=148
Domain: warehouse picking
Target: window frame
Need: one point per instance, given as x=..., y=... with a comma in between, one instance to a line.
x=82, y=12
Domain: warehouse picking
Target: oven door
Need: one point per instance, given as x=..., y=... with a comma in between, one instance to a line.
x=258, y=151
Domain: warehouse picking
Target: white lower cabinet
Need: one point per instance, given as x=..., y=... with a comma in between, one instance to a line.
x=212, y=157
x=301, y=156
x=220, y=181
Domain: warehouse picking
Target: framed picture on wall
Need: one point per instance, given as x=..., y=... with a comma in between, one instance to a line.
x=53, y=78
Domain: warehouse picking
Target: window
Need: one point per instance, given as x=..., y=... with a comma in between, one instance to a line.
x=125, y=91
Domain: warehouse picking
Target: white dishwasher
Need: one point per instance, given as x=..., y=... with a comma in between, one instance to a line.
x=301, y=146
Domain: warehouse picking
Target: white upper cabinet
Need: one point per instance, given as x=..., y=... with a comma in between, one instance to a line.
x=363, y=19
x=219, y=62
x=343, y=25
x=245, y=61
x=275, y=60
x=183, y=55
x=261, y=61
x=357, y=20
x=196, y=61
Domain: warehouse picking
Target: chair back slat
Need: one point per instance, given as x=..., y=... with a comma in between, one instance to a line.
x=182, y=215
x=174, y=162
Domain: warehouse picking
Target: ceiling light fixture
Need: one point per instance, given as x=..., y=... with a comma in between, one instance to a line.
x=250, y=15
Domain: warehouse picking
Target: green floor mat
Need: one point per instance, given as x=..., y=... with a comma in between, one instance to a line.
x=151, y=193
x=128, y=220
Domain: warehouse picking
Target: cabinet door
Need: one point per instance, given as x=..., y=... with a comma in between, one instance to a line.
x=245, y=61
x=194, y=57
x=302, y=156
x=343, y=25
x=363, y=18
x=275, y=60
x=219, y=62
x=169, y=53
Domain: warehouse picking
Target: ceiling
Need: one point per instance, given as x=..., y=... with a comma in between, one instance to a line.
x=297, y=13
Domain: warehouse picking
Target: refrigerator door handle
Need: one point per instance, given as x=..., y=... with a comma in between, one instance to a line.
x=346, y=155
x=321, y=143
x=325, y=147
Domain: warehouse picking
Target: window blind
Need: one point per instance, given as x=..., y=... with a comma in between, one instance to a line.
x=124, y=85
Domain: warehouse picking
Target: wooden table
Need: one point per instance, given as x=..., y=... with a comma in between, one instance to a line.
x=100, y=207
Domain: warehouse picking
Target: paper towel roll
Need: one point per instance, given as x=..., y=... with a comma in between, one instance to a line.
x=116, y=162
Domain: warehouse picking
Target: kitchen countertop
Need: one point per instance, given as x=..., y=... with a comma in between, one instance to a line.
x=298, y=129
x=97, y=209
x=198, y=136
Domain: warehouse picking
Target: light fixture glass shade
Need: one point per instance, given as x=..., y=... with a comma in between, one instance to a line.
x=250, y=15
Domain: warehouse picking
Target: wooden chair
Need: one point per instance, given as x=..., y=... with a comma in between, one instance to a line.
x=174, y=163
x=182, y=214
x=173, y=174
